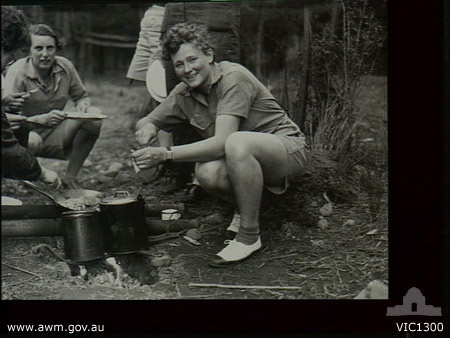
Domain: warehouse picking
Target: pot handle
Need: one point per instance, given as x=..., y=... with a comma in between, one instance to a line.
x=40, y=247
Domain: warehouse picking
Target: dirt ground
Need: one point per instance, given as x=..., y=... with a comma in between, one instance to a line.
x=299, y=260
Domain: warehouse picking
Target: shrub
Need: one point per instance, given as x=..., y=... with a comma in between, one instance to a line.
x=339, y=61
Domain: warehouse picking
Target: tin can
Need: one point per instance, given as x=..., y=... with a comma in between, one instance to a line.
x=83, y=236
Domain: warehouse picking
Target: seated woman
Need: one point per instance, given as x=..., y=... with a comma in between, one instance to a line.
x=249, y=141
x=51, y=82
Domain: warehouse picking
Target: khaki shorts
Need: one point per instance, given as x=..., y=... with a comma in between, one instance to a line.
x=298, y=158
x=53, y=142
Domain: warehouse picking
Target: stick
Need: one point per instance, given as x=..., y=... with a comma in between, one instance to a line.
x=260, y=287
x=22, y=270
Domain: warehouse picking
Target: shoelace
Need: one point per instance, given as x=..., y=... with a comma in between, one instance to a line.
x=227, y=241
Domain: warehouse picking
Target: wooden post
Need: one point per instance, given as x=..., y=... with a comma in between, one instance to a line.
x=304, y=79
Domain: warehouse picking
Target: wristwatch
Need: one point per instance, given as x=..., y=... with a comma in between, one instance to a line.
x=169, y=154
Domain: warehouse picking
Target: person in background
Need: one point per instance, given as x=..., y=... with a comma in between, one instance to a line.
x=249, y=143
x=17, y=161
x=51, y=82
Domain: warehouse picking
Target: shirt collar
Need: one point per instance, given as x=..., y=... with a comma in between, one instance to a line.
x=32, y=73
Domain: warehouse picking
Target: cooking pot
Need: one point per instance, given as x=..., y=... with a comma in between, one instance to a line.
x=83, y=236
x=124, y=224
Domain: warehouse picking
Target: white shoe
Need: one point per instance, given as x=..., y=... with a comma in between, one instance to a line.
x=235, y=223
x=235, y=252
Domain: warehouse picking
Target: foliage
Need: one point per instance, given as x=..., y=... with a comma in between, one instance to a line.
x=340, y=59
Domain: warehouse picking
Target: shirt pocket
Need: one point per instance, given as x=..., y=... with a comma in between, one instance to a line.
x=201, y=122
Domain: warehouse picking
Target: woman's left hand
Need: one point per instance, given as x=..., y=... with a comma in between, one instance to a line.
x=149, y=157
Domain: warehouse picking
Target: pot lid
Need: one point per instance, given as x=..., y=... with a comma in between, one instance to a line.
x=119, y=198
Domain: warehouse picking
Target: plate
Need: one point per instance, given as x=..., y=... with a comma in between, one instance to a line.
x=10, y=201
x=85, y=116
x=156, y=81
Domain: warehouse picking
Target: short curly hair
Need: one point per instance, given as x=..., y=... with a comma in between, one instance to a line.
x=45, y=30
x=15, y=29
x=181, y=33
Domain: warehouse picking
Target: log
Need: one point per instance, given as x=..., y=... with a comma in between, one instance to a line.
x=53, y=227
x=30, y=212
x=52, y=211
x=31, y=228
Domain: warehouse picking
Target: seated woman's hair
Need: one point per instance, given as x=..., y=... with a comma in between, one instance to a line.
x=15, y=33
x=184, y=33
x=45, y=30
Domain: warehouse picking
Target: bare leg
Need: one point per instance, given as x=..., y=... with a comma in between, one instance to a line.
x=253, y=159
x=213, y=178
x=80, y=137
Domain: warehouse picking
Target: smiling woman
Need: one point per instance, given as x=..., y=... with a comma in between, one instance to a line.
x=193, y=66
x=249, y=141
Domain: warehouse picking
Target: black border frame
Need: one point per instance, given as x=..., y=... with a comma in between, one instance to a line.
x=418, y=231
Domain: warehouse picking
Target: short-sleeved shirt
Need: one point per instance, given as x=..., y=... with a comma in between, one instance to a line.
x=234, y=91
x=65, y=85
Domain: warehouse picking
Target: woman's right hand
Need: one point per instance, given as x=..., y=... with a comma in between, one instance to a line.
x=50, y=119
x=13, y=102
x=147, y=134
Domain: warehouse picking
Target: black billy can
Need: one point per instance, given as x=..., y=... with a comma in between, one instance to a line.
x=124, y=224
x=83, y=235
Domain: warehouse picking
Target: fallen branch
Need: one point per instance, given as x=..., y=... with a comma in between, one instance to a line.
x=22, y=270
x=259, y=287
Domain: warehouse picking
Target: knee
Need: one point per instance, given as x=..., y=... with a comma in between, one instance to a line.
x=236, y=147
x=34, y=143
x=209, y=175
x=92, y=127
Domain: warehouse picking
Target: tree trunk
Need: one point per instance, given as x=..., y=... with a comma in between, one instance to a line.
x=259, y=45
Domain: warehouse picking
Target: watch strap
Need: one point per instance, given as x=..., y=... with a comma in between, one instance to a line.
x=169, y=154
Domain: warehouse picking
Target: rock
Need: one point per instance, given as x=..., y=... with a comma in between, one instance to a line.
x=161, y=261
x=349, y=222
x=326, y=210
x=194, y=233
x=374, y=290
x=322, y=223
x=63, y=269
x=192, y=241
x=114, y=169
x=87, y=163
x=318, y=243
x=214, y=219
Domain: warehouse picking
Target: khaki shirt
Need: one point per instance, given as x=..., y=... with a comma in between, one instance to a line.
x=234, y=91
